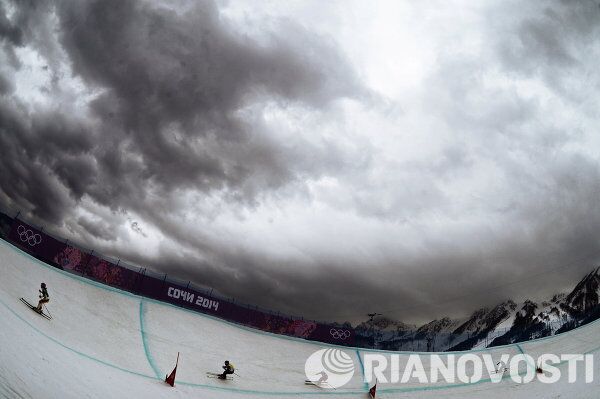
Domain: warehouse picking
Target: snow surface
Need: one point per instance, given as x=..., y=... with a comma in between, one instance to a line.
x=106, y=343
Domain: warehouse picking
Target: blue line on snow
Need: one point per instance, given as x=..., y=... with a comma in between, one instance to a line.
x=146, y=351
x=362, y=369
x=85, y=355
x=523, y=353
x=214, y=388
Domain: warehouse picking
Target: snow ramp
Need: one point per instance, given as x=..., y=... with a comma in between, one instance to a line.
x=106, y=343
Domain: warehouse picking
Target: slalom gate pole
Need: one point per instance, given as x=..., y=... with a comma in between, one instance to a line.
x=170, y=379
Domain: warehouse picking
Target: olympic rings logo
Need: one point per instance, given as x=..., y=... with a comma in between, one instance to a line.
x=339, y=334
x=28, y=236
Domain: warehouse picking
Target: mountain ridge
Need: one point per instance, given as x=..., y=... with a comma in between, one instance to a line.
x=506, y=323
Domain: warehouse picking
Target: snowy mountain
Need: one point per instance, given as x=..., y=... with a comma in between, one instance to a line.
x=483, y=324
x=582, y=304
x=506, y=323
x=437, y=334
x=585, y=295
x=436, y=327
x=526, y=325
x=387, y=331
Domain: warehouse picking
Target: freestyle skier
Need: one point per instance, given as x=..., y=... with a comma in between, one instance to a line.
x=321, y=382
x=228, y=369
x=44, y=298
x=323, y=379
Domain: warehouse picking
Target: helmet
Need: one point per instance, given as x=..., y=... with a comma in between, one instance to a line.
x=43, y=285
x=226, y=361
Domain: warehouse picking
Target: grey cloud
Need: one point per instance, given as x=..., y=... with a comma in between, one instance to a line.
x=6, y=85
x=97, y=228
x=550, y=41
x=8, y=30
x=24, y=176
x=30, y=24
x=174, y=92
x=175, y=87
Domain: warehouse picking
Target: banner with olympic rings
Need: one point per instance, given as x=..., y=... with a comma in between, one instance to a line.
x=34, y=241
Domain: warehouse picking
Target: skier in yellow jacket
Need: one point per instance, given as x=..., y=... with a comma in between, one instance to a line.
x=228, y=369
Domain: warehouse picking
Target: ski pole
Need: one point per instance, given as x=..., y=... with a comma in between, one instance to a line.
x=331, y=386
x=237, y=374
x=46, y=307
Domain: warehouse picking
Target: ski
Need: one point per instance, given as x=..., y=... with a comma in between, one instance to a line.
x=216, y=375
x=317, y=384
x=34, y=309
x=219, y=378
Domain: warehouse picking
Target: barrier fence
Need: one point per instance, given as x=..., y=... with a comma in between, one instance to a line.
x=71, y=258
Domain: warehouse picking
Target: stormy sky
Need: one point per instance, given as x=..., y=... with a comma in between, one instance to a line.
x=325, y=159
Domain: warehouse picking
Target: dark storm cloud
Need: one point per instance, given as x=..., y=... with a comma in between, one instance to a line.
x=178, y=105
x=174, y=89
x=97, y=228
x=25, y=176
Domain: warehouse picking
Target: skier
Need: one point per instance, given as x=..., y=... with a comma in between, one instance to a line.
x=228, y=369
x=323, y=379
x=44, y=298
x=501, y=367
